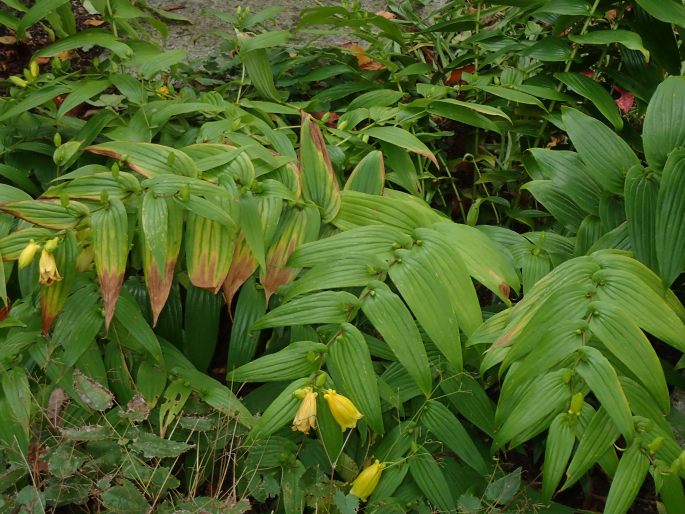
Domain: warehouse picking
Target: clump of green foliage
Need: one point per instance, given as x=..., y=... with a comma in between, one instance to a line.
x=429, y=272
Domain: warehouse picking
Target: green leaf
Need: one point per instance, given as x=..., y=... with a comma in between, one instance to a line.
x=251, y=306
x=351, y=368
x=543, y=397
x=606, y=156
x=556, y=202
x=670, y=218
x=558, y=448
x=153, y=446
x=87, y=39
x=669, y=11
x=403, y=139
x=369, y=175
x=155, y=221
x=641, y=204
x=622, y=337
x=40, y=10
x=324, y=307
x=92, y=393
x=280, y=411
x=392, y=319
x=631, y=473
x=296, y=360
x=202, y=317
x=84, y=91
x=319, y=184
x=447, y=428
x=149, y=160
x=259, y=70
x=512, y=95
x=630, y=40
x=601, y=378
x=129, y=318
x=34, y=99
x=588, y=88
x=78, y=324
x=125, y=499
x=597, y=439
x=568, y=172
x=431, y=481
x=663, y=131
x=503, y=490
x=251, y=226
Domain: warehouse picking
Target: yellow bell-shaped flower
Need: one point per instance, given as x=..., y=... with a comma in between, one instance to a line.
x=367, y=480
x=27, y=254
x=305, y=418
x=48, y=269
x=343, y=410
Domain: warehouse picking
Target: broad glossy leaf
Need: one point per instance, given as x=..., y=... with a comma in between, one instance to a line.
x=556, y=202
x=149, y=160
x=280, y=411
x=369, y=175
x=588, y=88
x=669, y=11
x=429, y=477
x=403, y=139
x=251, y=305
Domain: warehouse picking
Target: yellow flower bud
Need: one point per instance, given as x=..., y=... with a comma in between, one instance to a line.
x=576, y=404
x=305, y=418
x=18, y=81
x=343, y=410
x=48, y=269
x=34, y=69
x=52, y=245
x=27, y=254
x=367, y=480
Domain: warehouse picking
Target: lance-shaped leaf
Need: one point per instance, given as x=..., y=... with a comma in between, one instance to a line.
x=641, y=201
x=161, y=240
x=429, y=477
x=324, y=307
x=92, y=187
x=403, y=139
x=109, y=227
x=369, y=175
x=47, y=213
x=244, y=262
x=319, y=184
x=601, y=378
x=297, y=226
x=209, y=248
x=392, y=319
x=280, y=411
x=448, y=429
x=249, y=308
x=351, y=368
x=150, y=160
x=52, y=297
x=296, y=360
x=414, y=275
x=622, y=337
x=243, y=265
x=558, y=448
x=630, y=474
x=670, y=218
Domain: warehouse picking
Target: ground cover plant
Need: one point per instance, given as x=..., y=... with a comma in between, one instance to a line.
x=435, y=267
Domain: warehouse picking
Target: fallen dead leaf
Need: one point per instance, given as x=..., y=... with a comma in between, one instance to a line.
x=93, y=22
x=7, y=40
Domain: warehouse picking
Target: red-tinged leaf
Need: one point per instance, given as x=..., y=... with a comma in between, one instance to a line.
x=53, y=297
x=455, y=77
x=243, y=265
x=150, y=160
x=109, y=227
x=158, y=279
x=298, y=226
x=209, y=249
x=319, y=184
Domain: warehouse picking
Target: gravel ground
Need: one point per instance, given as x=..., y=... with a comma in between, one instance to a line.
x=200, y=38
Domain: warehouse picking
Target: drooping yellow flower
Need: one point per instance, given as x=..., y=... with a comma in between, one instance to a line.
x=305, y=418
x=27, y=254
x=48, y=269
x=367, y=480
x=343, y=410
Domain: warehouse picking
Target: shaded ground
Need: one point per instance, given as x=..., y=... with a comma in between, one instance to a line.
x=200, y=39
